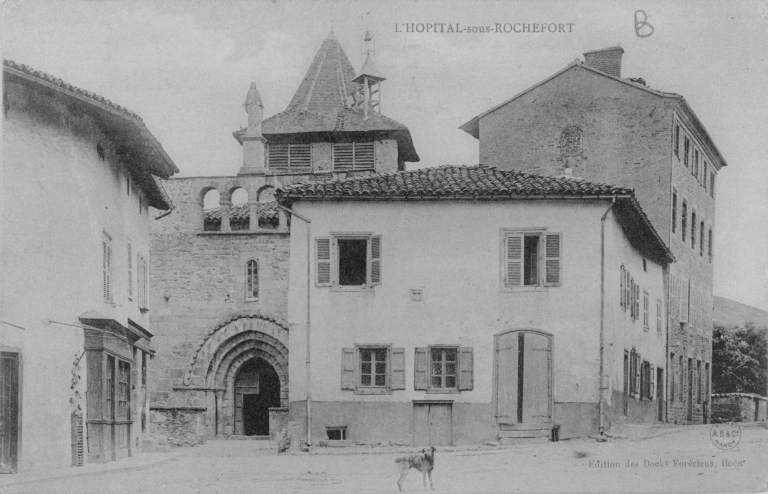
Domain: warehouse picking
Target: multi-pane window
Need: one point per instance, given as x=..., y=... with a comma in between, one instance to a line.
x=646, y=310
x=684, y=219
x=289, y=156
x=443, y=368
x=674, y=210
x=106, y=248
x=123, y=390
x=252, y=280
x=353, y=156
x=686, y=151
x=658, y=317
x=352, y=260
x=531, y=259
x=373, y=367
x=693, y=229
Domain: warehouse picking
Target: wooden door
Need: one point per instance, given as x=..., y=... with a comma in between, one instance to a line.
x=690, y=390
x=432, y=424
x=625, y=399
x=238, y=414
x=660, y=392
x=9, y=411
x=523, y=378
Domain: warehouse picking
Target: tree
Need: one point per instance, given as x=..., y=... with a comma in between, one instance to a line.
x=740, y=359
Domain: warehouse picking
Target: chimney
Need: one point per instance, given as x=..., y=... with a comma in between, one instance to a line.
x=607, y=60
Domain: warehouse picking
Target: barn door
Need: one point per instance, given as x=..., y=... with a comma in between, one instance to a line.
x=9, y=410
x=523, y=377
x=432, y=424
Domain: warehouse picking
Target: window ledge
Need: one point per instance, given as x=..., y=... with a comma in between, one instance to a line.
x=442, y=391
x=373, y=391
x=339, y=288
x=520, y=289
x=243, y=232
x=251, y=300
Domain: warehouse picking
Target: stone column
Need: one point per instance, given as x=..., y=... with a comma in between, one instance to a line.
x=253, y=210
x=224, y=207
x=283, y=221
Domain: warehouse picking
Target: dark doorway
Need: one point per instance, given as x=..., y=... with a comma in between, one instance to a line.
x=9, y=411
x=660, y=392
x=257, y=389
x=689, y=415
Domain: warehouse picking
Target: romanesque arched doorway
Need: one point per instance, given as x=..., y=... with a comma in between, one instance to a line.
x=243, y=366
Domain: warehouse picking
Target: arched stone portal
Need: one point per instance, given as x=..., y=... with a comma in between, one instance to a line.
x=243, y=345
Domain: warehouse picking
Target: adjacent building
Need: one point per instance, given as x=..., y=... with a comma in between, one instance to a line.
x=220, y=266
x=79, y=179
x=454, y=305
x=589, y=121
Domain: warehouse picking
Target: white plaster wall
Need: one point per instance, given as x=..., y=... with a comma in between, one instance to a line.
x=452, y=251
x=58, y=198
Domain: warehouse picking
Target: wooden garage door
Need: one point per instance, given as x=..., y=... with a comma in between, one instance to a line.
x=523, y=377
x=9, y=409
x=432, y=424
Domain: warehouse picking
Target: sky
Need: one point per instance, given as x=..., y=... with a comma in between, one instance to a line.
x=185, y=67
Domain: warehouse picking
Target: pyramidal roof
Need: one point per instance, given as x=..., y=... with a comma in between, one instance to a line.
x=320, y=105
x=370, y=69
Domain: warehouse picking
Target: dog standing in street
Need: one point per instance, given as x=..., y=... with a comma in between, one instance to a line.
x=424, y=462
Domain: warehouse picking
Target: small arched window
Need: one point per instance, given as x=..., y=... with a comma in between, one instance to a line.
x=252, y=280
x=570, y=141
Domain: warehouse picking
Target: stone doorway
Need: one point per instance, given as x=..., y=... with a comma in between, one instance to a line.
x=257, y=389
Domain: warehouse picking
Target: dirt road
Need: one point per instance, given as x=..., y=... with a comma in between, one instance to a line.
x=668, y=459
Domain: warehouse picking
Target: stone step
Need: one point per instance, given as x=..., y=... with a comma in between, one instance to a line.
x=543, y=433
x=525, y=426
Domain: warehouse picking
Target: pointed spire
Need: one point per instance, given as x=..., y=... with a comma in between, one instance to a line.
x=370, y=70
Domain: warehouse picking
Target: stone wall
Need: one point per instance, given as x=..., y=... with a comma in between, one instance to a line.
x=180, y=426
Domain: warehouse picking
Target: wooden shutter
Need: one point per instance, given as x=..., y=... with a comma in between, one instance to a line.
x=684, y=290
x=552, y=249
x=626, y=289
x=375, y=259
x=513, y=259
x=348, y=366
x=323, y=261
x=632, y=298
x=420, y=367
x=621, y=286
x=637, y=301
x=398, y=369
x=467, y=366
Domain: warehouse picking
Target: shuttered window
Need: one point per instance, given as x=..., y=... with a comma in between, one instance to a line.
x=350, y=156
x=353, y=261
x=289, y=156
x=372, y=369
x=130, y=270
x=646, y=310
x=531, y=259
x=684, y=220
x=106, y=248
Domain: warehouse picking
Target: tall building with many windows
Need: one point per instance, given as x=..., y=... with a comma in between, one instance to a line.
x=588, y=121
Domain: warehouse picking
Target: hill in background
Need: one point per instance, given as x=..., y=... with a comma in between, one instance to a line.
x=730, y=313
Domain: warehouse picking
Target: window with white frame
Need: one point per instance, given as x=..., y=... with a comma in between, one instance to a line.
x=531, y=258
x=351, y=261
x=289, y=156
x=251, y=280
x=350, y=156
x=106, y=256
x=373, y=369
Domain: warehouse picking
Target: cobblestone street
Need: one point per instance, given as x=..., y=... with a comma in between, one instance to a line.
x=693, y=464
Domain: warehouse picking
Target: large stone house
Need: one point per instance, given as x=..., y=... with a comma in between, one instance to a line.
x=455, y=305
x=220, y=271
x=78, y=184
x=589, y=121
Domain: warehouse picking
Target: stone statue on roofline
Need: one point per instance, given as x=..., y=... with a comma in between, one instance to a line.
x=255, y=109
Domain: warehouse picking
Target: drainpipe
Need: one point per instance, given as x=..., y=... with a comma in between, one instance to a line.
x=309, y=367
x=602, y=315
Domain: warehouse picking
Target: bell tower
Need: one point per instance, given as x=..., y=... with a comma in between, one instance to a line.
x=369, y=79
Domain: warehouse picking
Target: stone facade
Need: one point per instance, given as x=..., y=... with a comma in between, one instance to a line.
x=739, y=407
x=595, y=125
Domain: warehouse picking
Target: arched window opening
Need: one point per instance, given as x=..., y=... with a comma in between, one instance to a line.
x=571, y=141
x=239, y=215
x=211, y=211
x=251, y=281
